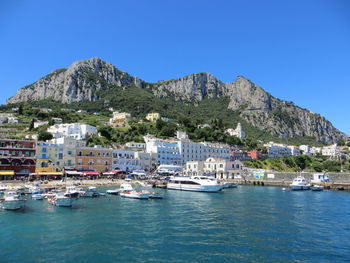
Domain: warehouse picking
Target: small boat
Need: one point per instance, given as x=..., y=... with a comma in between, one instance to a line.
x=155, y=195
x=38, y=196
x=300, y=183
x=124, y=187
x=317, y=188
x=228, y=185
x=135, y=194
x=61, y=200
x=113, y=192
x=11, y=201
x=71, y=191
x=90, y=192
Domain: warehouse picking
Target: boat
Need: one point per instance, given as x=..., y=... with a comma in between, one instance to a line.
x=113, y=191
x=194, y=183
x=155, y=195
x=317, y=187
x=11, y=201
x=72, y=191
x=38, y=196
x=61, y=200
x=90, y=192
x=135, y=194
x=299, y=183
x=228, y=185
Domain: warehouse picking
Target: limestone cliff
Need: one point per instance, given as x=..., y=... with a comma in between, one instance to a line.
x=83, y=80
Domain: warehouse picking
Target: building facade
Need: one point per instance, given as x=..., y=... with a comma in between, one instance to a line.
x=76, y=131
x=120, y=119
x=96, y=159
x=17, y=156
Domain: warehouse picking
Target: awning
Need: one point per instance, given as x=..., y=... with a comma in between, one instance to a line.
x=48, y=173
x=73, y=173
x=113, y=172
x=7, y=173
x=91, y=173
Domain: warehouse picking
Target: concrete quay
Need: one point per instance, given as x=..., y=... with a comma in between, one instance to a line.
x=337, y=181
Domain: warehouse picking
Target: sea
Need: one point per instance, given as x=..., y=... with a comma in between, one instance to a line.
x=244, y=224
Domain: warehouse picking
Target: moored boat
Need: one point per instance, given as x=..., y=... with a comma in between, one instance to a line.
x=135, y=194
x=38, y=196
x=300, y=183
x=194, y=183
x=61, y=200
x=317, y=188
x=11, y=201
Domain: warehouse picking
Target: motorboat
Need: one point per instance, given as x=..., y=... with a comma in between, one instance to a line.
x=135, y=194
x=71, y=191
x=38, y=196
x=3, y=187
x=113, y=191
x=226, y=185
x=194, y=183
x=90, y=192
x=317, y=187
x=11, y=201
x=61, y=200
x=300, y=183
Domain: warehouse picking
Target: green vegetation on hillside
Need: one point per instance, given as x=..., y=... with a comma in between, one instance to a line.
x=301, y=163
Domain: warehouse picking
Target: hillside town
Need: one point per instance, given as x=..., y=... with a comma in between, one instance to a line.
x=66, y=152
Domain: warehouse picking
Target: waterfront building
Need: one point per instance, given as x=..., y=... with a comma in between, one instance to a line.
x=167, y=150
x=120, y=119
x=238, y=132
x=77, y=131
x=125, y=160
x=67, y=150
x=223, y=169
x=96, y=159
x=153, y=116
x=193, y=168
x=147, y=161
x=17, y=157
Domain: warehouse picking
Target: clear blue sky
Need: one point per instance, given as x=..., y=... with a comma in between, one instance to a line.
x=298, y=50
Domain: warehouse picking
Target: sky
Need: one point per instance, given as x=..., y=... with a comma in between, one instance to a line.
x=297, y=50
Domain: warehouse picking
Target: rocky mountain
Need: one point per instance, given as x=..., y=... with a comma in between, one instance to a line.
x=84, y=80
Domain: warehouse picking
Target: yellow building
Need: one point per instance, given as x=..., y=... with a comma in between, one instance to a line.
x=153, y=116
x=95, y=159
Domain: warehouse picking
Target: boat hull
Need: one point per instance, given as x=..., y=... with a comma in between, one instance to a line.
x=300, y=187
x=134, y=195
x=12, y=204
x=195, y=188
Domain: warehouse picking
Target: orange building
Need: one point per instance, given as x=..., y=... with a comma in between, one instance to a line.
x=255, y=155
x=95, y=159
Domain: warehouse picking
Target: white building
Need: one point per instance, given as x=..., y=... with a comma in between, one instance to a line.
x=147, y=161
x=238, y=132
x=315, y=150
x=294, y=150
x=220, y=168
x=167, y=150
x=305, y=149
x=74, y=130
x=276, y=150
x=331, y=150
x=137, y=146
x=40, y=123
x=125, y=160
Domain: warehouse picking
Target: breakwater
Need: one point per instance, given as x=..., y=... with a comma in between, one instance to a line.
x=337, y=181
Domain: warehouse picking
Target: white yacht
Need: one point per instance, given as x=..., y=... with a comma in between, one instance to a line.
x=11, y=201
x=135, y=194
x=194, y=183
x=61, y=200
x=124, y=187
x=300, y=183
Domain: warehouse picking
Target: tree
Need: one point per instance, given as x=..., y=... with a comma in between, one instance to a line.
x=31, y=126
x=44, y=136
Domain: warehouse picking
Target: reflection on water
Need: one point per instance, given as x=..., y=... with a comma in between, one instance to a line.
x=246, y=224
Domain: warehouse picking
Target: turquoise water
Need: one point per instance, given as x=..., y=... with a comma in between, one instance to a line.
x=247, y=224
